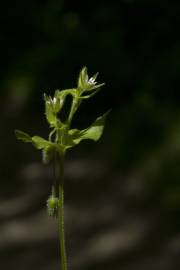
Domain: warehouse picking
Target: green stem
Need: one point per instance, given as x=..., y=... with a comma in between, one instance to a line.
x=61, y=214
x=74, y=107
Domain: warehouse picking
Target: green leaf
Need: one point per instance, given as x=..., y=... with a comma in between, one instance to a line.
x=20, y=135
x=72, y=134
x=40, y=143
x=94, y=132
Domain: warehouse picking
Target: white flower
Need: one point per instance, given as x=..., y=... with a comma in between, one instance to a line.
x=87, y=84
x=92, y=81
x=51, y=101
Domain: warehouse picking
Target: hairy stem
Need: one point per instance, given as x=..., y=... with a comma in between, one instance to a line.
x=61, y=214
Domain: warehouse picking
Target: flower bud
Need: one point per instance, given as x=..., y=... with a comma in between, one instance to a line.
x=52, y=206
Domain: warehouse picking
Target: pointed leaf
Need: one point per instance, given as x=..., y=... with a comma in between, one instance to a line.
x=94, y=132
x=93, y=93
x=40, y=143
x=20, y=135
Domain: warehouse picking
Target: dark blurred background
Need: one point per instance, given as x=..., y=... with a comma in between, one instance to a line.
x=123, y=193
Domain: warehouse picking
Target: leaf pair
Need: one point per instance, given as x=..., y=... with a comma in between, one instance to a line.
x=73, y=137
x=46, y=146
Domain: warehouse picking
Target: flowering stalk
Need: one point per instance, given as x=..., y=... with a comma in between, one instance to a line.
x=62, y=138
x=61, y=215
